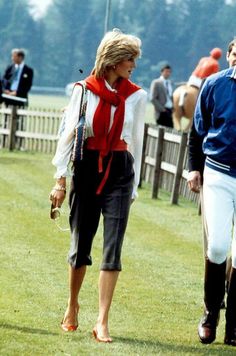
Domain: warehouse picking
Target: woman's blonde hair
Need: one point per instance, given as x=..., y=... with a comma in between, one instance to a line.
x=114, y=48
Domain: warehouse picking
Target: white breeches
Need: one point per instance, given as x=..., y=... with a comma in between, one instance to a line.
x=195, y=81
x=219, y=194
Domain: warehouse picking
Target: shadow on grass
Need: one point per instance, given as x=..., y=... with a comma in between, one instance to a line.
x=213, y=349
x=25, y=329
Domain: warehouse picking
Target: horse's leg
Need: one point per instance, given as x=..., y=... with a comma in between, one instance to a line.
x=189, y=125
x=178, y=105
x=177, y=115
x=190, y=104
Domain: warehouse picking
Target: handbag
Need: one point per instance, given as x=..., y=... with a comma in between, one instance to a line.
x=80, y=129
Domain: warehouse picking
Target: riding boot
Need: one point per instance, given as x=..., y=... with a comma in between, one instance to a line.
x=230, y=314
x=214, y=289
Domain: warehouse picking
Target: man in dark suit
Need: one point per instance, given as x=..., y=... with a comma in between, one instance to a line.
x=17, y=80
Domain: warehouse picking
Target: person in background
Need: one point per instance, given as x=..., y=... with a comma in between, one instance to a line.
x=17, y=79
x=161, y=97
x=185, y=96
x=206, y=66
x=212, y=144
x=105, y=181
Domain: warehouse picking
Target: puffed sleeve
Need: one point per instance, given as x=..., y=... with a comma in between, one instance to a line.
x=136, y=144
x=66, y=134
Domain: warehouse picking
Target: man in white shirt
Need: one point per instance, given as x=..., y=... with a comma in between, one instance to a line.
x=17, y=79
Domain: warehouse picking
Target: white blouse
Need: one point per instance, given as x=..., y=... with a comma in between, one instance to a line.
x=132, y=132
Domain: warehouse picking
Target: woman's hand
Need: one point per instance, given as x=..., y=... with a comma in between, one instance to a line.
x=58, y=193
x=57, y=197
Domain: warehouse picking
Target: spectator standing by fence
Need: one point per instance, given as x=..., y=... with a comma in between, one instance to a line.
x=17, y=79
x=161, y=97
x=106, y=179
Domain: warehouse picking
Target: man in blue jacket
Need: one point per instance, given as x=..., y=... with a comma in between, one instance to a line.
x=215, y=125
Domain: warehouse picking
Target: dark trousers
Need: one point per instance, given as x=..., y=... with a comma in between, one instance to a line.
x=86, y=207
x=165, y=118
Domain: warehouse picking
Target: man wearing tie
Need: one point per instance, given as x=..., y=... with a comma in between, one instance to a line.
x=161, y=97
x=17, y=79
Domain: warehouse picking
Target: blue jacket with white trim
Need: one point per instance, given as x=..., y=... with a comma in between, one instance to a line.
x=215, y=116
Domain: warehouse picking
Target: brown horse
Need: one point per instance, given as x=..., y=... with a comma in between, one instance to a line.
x=184, y=101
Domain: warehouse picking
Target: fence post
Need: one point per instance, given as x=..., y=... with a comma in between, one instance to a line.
x=179, y=168
x=12, y=128
x=143, y=154
x=157, y=170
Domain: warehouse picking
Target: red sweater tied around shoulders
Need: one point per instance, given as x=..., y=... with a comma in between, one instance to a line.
x=104, y=140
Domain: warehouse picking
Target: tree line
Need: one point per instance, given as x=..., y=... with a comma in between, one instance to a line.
x=64, y=41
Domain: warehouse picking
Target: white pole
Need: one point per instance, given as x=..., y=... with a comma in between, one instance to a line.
x=107, y=16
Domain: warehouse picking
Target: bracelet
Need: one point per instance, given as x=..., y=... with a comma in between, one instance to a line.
x=59, y=188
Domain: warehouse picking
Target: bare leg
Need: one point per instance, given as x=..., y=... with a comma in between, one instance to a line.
x=76, y=277
x=107, y=283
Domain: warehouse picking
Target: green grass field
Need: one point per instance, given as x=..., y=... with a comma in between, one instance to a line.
x=48, y=101
x=58, y=102
x=158, y=300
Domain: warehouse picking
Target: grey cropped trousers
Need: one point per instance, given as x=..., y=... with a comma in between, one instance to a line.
x=86, y=207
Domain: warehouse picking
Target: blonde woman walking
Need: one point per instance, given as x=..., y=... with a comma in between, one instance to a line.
x=105, y=181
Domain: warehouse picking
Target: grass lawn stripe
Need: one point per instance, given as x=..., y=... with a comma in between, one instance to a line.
x=158, y=300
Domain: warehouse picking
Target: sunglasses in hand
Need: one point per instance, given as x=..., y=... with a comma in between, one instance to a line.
x=55, y=214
